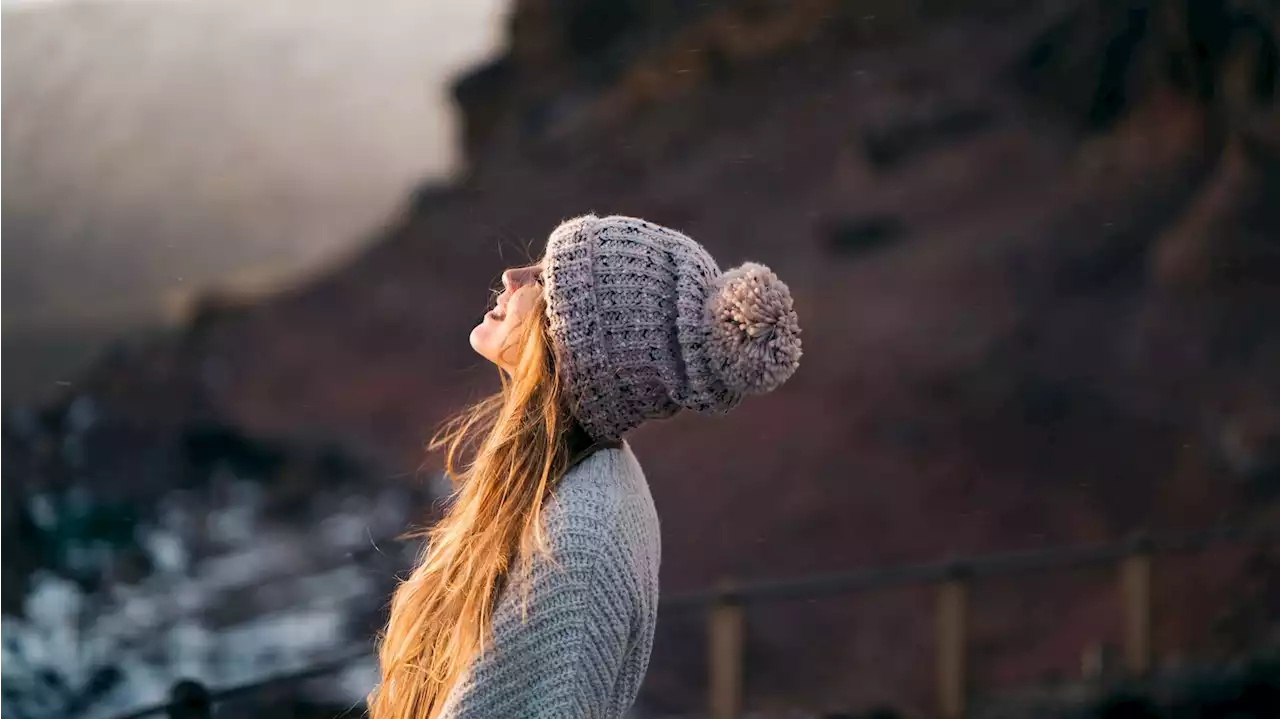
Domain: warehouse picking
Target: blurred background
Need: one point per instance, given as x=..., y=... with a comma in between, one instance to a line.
x=1030, y=465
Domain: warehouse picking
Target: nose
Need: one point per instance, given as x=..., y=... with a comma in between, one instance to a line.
x=518, y=277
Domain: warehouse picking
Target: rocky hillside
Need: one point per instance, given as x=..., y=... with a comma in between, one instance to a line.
x=1032, y=251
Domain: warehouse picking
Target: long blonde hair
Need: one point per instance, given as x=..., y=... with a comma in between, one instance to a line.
x=503, y=455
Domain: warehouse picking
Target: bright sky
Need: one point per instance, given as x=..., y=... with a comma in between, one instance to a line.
x=152, y=147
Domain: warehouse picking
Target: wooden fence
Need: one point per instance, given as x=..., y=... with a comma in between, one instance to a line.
x=726, y=607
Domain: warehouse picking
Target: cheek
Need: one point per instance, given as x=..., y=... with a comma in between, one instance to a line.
x=522, y=305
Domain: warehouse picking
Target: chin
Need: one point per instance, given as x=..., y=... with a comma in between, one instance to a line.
x=481, y=340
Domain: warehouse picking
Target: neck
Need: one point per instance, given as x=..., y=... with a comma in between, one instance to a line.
x=577, y=441
x=580, y=445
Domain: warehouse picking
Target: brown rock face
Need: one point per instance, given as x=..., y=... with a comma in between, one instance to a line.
x=1003, y=349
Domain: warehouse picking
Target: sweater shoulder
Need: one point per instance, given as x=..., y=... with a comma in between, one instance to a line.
x=602, y=501
x=605, y=484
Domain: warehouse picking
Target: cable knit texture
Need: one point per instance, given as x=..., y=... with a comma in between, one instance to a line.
x=578, y=646
x=645, y=324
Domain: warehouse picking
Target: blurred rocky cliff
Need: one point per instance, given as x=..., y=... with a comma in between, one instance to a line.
x=1034, y=251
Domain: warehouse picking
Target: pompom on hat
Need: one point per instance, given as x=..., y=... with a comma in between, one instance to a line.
x=645, y=324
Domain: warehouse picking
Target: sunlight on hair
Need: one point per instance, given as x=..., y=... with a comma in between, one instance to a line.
x=504, y=456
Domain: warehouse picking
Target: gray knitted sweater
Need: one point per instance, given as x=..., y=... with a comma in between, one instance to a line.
x=581, y=644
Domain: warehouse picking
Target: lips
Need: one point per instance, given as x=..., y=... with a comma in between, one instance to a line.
x=499, y=311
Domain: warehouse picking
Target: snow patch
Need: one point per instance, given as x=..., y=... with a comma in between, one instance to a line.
x=215, y=619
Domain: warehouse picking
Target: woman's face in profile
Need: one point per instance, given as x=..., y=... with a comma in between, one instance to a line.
x=494, y=338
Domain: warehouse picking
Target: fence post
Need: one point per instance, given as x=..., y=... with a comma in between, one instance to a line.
x=189, y=699
x=725, y=625
x=1135, y=592
x=951, y=641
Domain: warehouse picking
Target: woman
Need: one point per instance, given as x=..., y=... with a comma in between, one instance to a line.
x=538, y=593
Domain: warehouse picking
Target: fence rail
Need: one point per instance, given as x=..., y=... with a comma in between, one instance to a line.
x=727, y=603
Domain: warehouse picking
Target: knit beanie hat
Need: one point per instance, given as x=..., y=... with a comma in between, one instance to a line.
x=645, y=324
